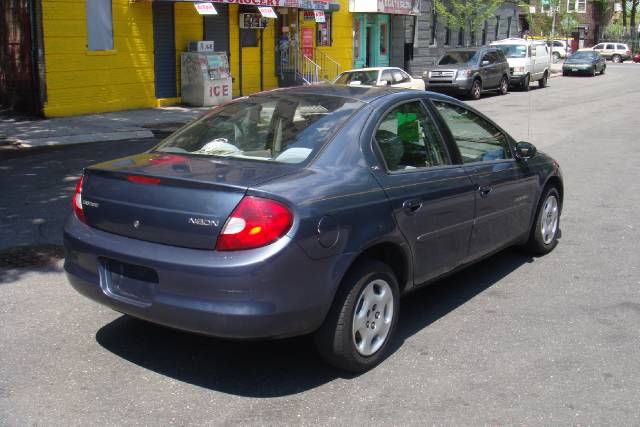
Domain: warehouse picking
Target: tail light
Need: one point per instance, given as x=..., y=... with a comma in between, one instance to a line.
x=254, y=223
x=77, y=201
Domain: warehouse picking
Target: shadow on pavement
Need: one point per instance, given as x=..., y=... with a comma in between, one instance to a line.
x=290, y=366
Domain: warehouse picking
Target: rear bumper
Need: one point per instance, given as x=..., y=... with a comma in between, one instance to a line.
x=270, y=292
x=579, y=70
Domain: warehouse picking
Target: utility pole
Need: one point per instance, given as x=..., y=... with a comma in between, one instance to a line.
x=553, y=29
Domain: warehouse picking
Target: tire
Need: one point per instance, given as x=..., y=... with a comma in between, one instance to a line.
x=524, y=86
x=476, y=90
x=604, y=67
x=544, y=233
x=593, y=72
x=340, y=343
x=616, y=58
x=504, y=86
x=543, y=81
x=565, y=74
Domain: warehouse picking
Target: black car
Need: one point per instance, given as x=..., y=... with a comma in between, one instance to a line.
x=308, y=210
x=584, y=62
x=469, y=72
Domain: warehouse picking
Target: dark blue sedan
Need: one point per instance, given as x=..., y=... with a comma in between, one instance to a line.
x=307, y=210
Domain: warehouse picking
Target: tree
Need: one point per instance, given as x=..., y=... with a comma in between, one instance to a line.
x=466, y=13
x=632, y=20
x=604, y=13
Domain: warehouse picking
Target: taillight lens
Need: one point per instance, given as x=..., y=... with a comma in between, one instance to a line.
x=77, y=201
x=254, y=223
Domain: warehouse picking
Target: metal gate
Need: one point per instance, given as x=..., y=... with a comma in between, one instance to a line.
x=216, y=28
x=164, y=54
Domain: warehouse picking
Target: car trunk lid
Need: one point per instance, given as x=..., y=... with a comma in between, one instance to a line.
x=170, y=199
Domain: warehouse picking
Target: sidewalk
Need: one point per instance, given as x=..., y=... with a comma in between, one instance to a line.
x=18, y=133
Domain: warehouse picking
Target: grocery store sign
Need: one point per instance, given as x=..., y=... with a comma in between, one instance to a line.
x=393, y=7
x=300, y=4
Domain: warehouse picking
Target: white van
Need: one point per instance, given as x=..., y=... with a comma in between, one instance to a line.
x=529, y=61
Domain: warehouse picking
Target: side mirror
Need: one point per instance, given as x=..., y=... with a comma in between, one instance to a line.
x=525, y=150
x=485, y=63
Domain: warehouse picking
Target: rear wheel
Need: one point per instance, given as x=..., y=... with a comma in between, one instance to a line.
x=544, y=234
x=504, y=85
x=543, y=81
x=476, y=90
x=356, y=334
x=616, y=58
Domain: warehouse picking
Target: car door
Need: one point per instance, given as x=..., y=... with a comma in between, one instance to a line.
x=430, y=193
x=609, y=50
x=488, y=70
x=599, y=48
x=505, y=188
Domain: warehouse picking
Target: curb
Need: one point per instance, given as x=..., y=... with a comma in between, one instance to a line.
x=81, y=139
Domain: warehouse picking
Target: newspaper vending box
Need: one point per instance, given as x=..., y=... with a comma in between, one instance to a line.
x=205, y=78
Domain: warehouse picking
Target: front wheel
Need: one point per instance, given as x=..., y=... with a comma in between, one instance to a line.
x=356, y=334
x=476, y=90
x=593, y=72
x=544, y=234
x=525, y=83
x=616, y=58
x=543, y=81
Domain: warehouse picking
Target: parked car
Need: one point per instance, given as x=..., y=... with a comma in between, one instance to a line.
x=560, y=49
x=636, y=57
x=379, y=76
x=469, y=72
x=616, y=52
x=307, y=210
x=528, y=61
x=584, y=62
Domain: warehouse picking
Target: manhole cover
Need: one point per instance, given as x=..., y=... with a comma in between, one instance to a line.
x=31, y=256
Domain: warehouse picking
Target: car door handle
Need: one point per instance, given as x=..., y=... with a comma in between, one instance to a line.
x=412, y=206
x=484, y=191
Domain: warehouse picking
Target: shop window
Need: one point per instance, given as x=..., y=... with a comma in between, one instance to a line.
x=323, y=31
x=248, y=36
x=99, y=25
x=383, y=39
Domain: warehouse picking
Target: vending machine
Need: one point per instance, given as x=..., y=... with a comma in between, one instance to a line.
x=205, y=78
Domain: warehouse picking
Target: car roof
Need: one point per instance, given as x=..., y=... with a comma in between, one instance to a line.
x=517, y=40
x=361, y=93
x=372, y=69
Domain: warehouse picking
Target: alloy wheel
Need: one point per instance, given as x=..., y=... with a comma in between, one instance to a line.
x=549, y=220
x=372, y=317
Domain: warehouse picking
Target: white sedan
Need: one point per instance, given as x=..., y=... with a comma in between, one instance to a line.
x=379, y=76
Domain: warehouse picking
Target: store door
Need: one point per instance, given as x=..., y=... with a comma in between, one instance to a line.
x=216, y=28
x=164, y=53
x=371, y=40
x=286, y=46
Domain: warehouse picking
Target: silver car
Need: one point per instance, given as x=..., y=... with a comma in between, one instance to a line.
x=617, y=52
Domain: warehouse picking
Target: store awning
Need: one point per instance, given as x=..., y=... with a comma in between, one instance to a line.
x=392, y=7
x=327, y=5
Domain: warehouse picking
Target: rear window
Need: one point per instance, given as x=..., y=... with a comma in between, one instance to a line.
x=276, y=127
x=366, y=78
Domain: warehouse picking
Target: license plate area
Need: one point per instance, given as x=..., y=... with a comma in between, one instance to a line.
x=574, y=69
x=130, y=283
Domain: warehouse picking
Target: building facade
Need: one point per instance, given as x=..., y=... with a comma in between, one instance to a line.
x=586, y=17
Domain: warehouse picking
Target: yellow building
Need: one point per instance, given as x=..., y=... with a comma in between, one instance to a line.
x=109, y=55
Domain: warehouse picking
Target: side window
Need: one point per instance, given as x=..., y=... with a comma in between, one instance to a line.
x=610, y=47
x=621, y=47
x=386, y=75
x=599, y=46
x=532, y=51
x=407, y=139
x=99, y=25
x=486, y=57
x=477, y=139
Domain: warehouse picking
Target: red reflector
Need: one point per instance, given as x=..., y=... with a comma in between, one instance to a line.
x=254, y=223
x=77, y=201
x=143, y=179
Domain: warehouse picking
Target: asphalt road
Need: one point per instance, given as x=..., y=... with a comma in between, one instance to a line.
x=512, y=340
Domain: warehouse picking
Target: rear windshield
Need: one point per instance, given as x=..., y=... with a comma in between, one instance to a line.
x=367, y=78
x=513, y=50
x=583, y=55
x=459, y=57
x=276, y=127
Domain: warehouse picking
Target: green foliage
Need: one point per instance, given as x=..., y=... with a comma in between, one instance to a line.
x=466, y=13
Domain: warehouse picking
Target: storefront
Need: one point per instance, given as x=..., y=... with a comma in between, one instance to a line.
x=378, y=28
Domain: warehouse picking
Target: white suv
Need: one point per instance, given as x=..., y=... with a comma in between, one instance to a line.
x=559, y=49
x=617, y=52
